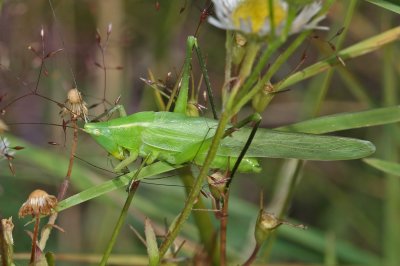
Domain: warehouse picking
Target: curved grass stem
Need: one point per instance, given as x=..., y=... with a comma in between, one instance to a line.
x=120, y=222
x=45, y=233
x=224, y=119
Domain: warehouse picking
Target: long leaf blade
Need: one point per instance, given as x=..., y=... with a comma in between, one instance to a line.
x=116, y=183
x=344, y=121
x=387, y=4
x=387, y=167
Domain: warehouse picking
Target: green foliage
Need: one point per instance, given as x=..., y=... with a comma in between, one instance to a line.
x=351, y=212
x=392, y=5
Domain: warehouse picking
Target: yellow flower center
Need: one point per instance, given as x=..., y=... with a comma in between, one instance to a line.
x=257, y=13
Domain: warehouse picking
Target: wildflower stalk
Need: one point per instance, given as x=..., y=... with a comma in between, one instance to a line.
x=228, y=64
x=202, y=219
x=328, y=76
x=34, y=238
x=367, y=46
x=45, y=233
x=253, y=256
x=6, y=242
x=224, y=227
x=245, y=70
x=219, y=134
x=236, y=103
x=120, y=222
x=289, y=185
x=243, y=98
x=223, y=122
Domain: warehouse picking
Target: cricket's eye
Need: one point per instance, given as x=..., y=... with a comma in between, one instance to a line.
x=96, y=132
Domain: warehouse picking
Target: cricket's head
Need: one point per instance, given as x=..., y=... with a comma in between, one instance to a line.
x=103, y=136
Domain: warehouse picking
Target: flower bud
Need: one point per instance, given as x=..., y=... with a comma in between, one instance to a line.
x=217, y=185
x=266, y=223
x=74, y=105
x=239, y=48
x=262, y=99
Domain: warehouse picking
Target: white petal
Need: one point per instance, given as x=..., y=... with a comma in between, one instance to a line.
x=304, y=17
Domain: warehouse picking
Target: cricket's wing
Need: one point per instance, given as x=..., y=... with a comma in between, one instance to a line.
x=276, y=144
x=178, y=133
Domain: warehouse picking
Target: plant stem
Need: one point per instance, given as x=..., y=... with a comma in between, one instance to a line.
x=328, y=77
x=245, y=96
x=45, y=234
x=392, y=183
x=228, y=65
x=224, y=119
x=223, y=228
x=6, y=243
x=245, y=70
x=34, y=239
x=120, y=222
x=252, y=257
x=202, y=219
x=369, y=45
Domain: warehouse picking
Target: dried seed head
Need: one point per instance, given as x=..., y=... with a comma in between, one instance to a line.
x=217, y=184
x=3, y=126
x=8, y=227
x=240, y=39
x=38, y=203
x=5, y=151
x=266, y=223
x=239, y=48
x=75, y=106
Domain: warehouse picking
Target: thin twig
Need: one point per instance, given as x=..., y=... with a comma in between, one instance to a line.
x=62, y=190
x=223, y=228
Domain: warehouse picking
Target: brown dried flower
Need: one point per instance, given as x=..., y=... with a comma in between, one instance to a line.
x=266, y=223
x=75, y=105
x=8, y=227
x=38, y=203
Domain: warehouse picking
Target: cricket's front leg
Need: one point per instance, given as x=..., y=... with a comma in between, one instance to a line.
x=128, y=160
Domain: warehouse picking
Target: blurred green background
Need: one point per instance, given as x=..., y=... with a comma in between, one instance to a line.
x=347, y=206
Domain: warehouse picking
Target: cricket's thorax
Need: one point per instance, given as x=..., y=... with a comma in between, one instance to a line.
x=120, y=133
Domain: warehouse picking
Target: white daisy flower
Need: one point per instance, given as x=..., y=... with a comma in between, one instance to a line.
x=253, y=16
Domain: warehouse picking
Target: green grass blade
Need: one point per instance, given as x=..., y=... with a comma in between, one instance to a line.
x=387, y=167
x=344, y=121
x=391, y=5
x=82, y=176
x=369, y=45
x=116, y=183
x=151, y=242
x=314, y=239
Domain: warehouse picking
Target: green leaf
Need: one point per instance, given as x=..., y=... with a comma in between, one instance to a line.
x=387, y=167
x=392, y=5
x=82, y=177
x=361, y=48
x=151, y=242
x=116, y=183
x=344, y=121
